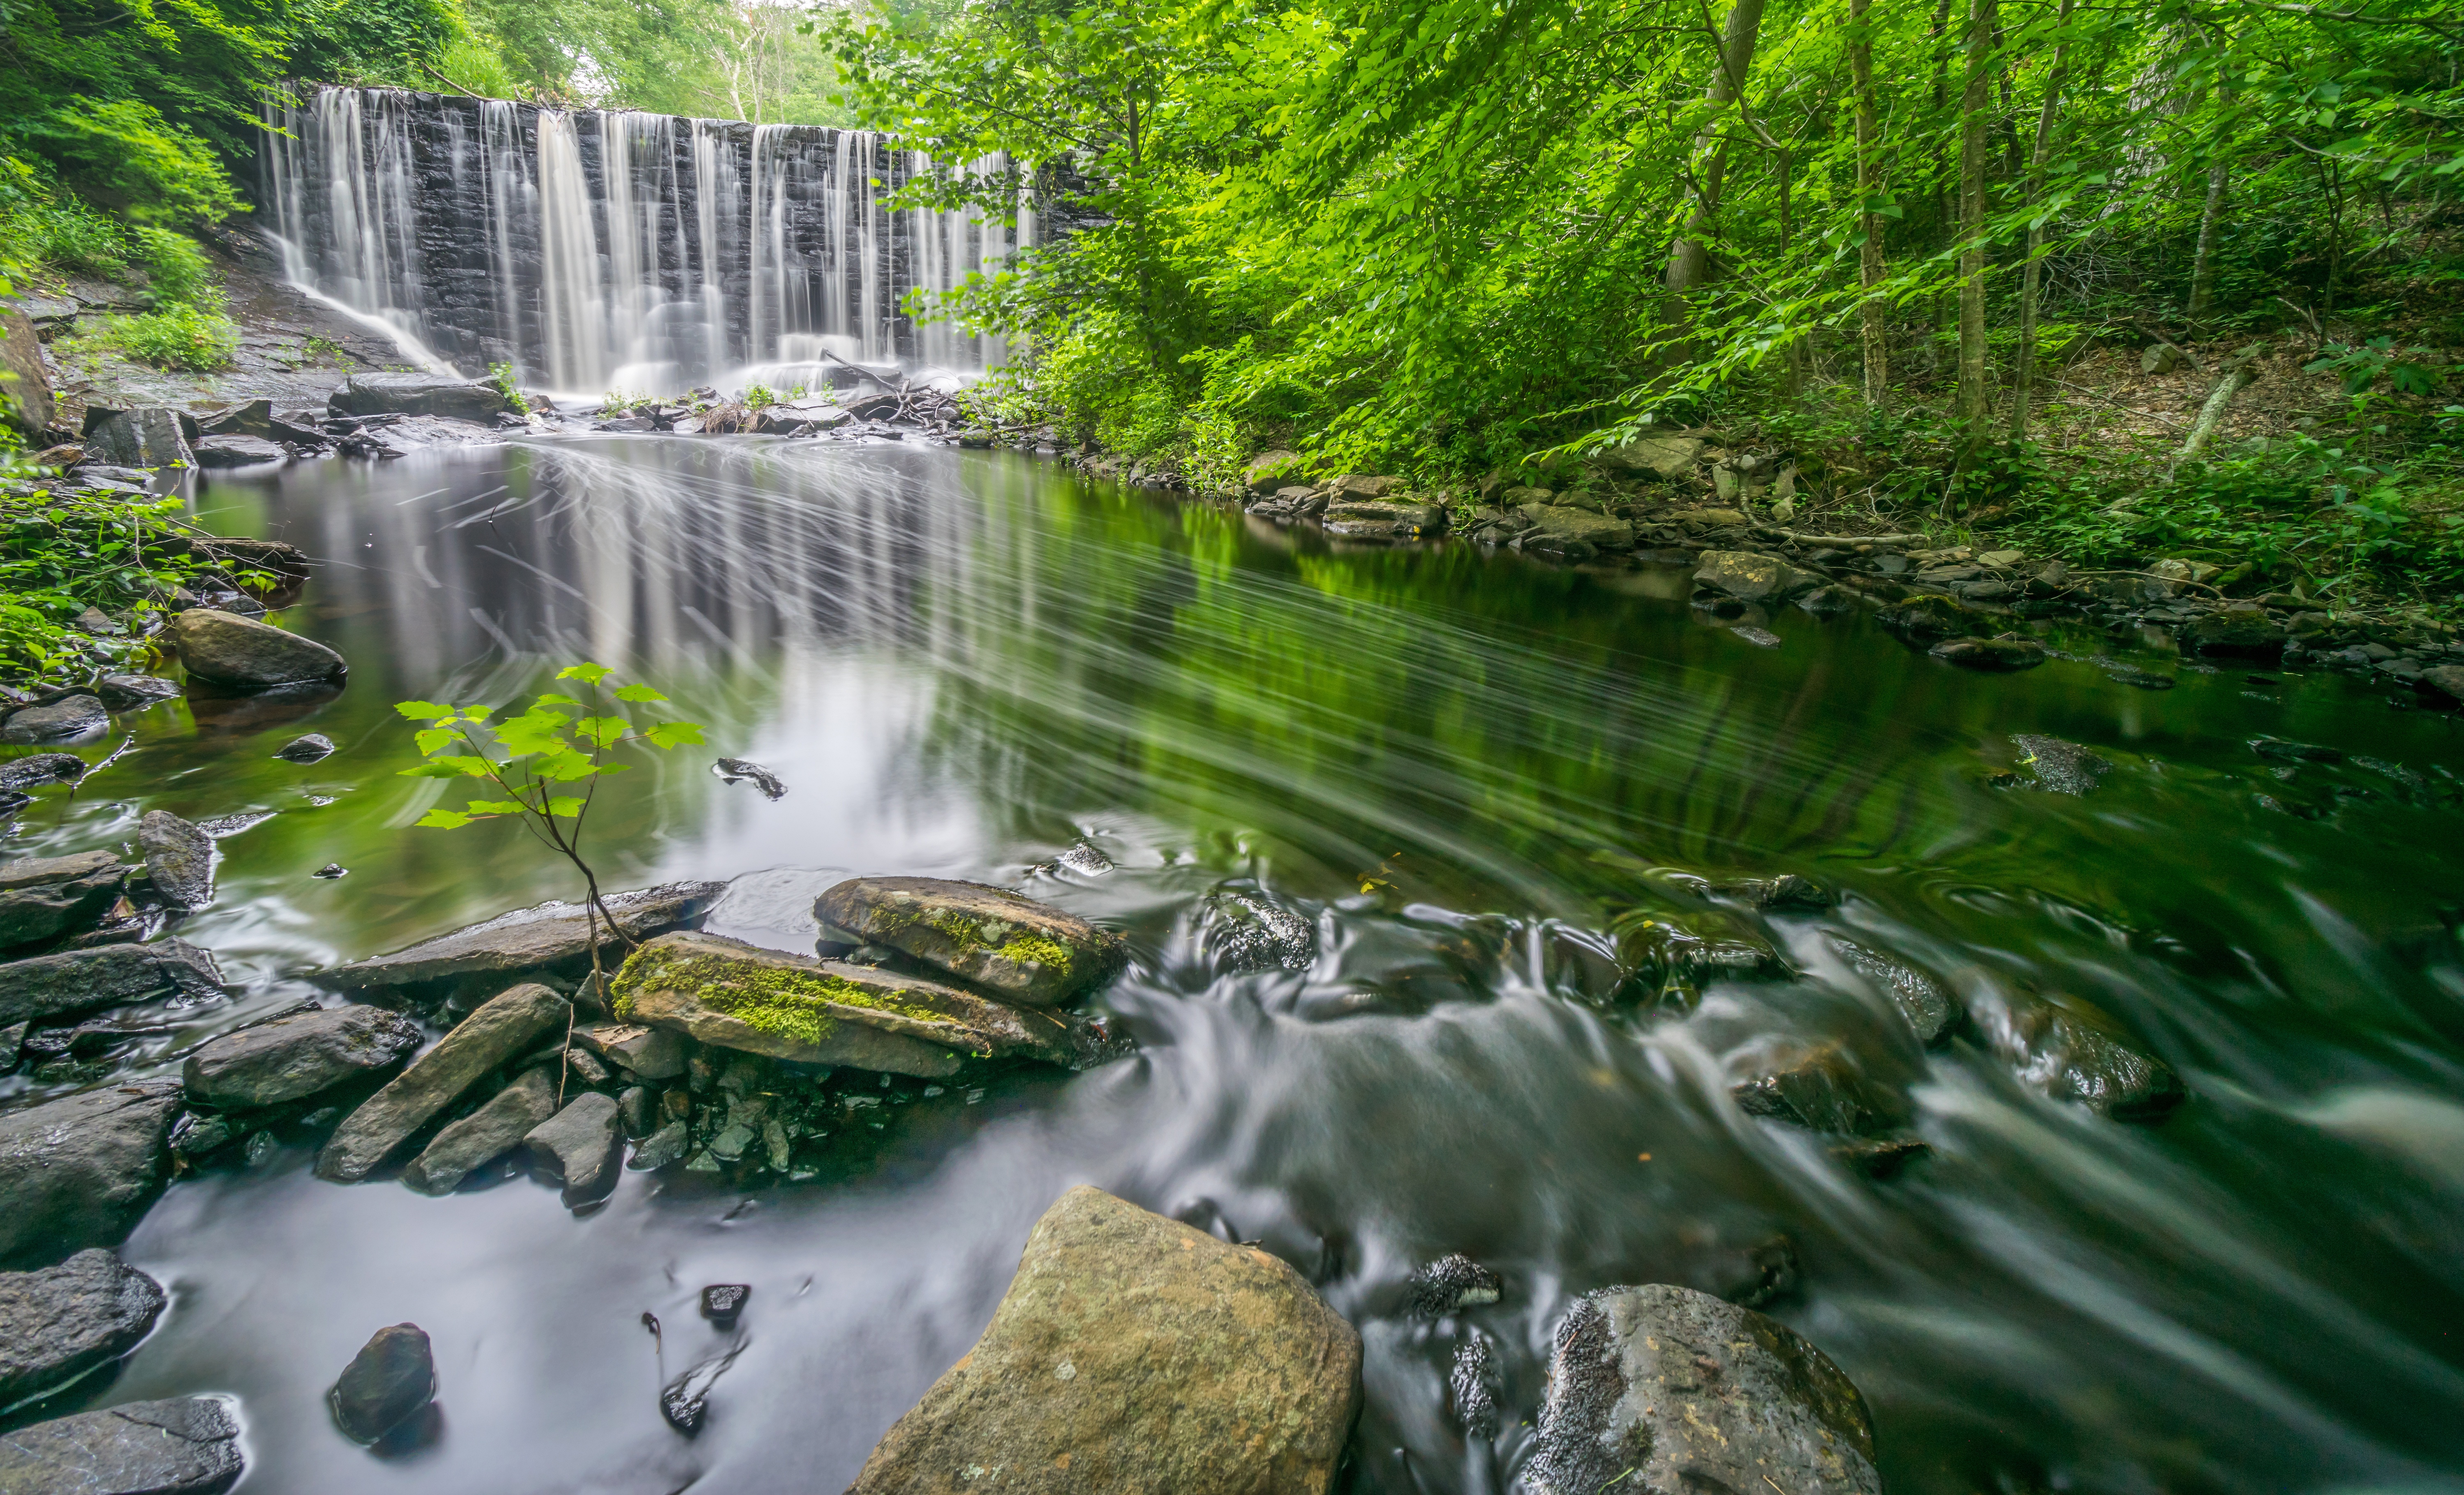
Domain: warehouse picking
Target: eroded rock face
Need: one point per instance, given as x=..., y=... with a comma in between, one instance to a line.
x=503, y=1029
x=76, y=1171
x=229, y=650
x=1750, y=577
x=43, y=897
x=1108, y=1303
x=1017, y=949
x=484, y=1136
x=420, y=394
x=552, y=937
x=62, y=1321
x=1667, y=1390
x=107, y=976
x=189, y=1445
x=179, y=860
x=137, y=438
x=298, y=1056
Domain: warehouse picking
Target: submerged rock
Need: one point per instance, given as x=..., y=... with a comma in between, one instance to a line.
x=551, y=938
x=504, y=1027
x=2000, y=654
x=1667, y=1390
x=1925, y=1003
x=62, y=1321
x=107, y=976
x=42, y=897
x=78, y=1172
x=578, y=1147
x=734, y=770
x=1110, y=1302
x=189, y=1445
x=1471, y=1387
x=1694, y=947
x=484, y=1136
x=64, y=721
x=1818, y=1085
x=309, y=749
x=1019, y=949
x=127, y=692
x=179, y=860
x=298, y=1056
x=41, y=768
x=2059, y=766
x=227, y=650
x=2070, y=1052
x=388, y=1382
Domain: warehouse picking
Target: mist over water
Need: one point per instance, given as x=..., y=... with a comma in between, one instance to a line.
x=1367, y=814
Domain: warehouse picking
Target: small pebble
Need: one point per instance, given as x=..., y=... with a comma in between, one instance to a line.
x=331, y=870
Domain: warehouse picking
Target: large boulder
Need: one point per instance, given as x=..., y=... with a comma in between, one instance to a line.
x=76, y=1171
x=70, y=718
x=2238, y=628
x=1750, y=577
x=189, y=1445
x=107, y=976
x=1665, y=1391
x=484, y=1136
x=578, y=1147
x=136, y=438
x=421, y=395
x=1578, y=533
x=1019, y=949
x=179, y=860
x=731, y=994
x=58, y=1323
x=1134, y=1353
x=25, y=384
x=548, y=939
x=227, y=650
x=294, y=1057
x=1269, y=471
x=1666, y=458
x=236, y=450
x=44, y=897
x=503, y=1029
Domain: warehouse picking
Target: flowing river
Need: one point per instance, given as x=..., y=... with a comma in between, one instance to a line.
x=1366, y=813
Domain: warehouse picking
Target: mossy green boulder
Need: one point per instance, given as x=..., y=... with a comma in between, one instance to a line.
x=1019, y=950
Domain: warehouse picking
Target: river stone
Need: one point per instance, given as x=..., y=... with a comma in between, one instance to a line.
x=128, y=691
x=731, y=994
x=2059, y=766
x=76, y=1171
x=63, y=720
x=1017, y=949
x=248, y=418
x=229, y=650
x=2071, y=1053
x=188, y=1445
x=107, y=976
x=309, y=749
x=25, y=382
x=484, y=1136
x=2003, y=655
x=62, y=1321
x=2446, y=680
x=420, y=394
x=1921, y=999
x=502, y=1028
x=41, y=768
x=392, y=1376
x=578, y=1147
x=237, y=451
x=2237, y=628
x=41, y=897
x=1818, y=1085
x=1663, y=458
x=1664, y=1391
x=179, y=860
x=651, y=1053
x=144, y=438
x=1752, y=577
x=550, y=937
x=298, y=1056
x=1134, y=1353
x=1562, y=526
x=1376, y=517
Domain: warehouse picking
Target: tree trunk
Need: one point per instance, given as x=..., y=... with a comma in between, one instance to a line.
x=2023, y=382
x=1869, y=183
x=1690, y=263
x=1975, y=406
x=2203, y=268
x=1939, y=308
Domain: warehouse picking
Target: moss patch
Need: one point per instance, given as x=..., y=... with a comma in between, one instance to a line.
x=1036, y=950
x=781, y=1000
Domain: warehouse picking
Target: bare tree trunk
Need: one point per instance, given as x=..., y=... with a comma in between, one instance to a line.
x=2203, y=268
x=1869, y=175
x=1975, y=406
x=1938, y=306
x=1690, y=263
x=2023, y=382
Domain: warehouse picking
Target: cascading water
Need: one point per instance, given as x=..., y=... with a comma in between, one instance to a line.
x=599, y=250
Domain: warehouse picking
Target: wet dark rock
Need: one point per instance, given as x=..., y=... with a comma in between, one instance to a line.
x=246, y=654
x=1752, y=578
x=43, y=897
x=2060, y=767
x=663, y=1148
x=189, y=1445
x=721, y=1303
x=78, y=1172
x=179, y=860
x=1019, y=949
x=484, y=1136
x=420, y=394
x=1881, y=1157
x=58, y=1323
x=107, y=976
x=386, y=1384
x=1999, y=654
x=1819, y=1085
x=2444, y=680
x=1451, y=1284
x=1786, y=892
x=578, y=1147
x=2069, y=1051
x=551, y=938
x=1109, y=1299
x=1925, y=1003
x=2138, y=678
x=41, y=768
x=1694, y=947
x=502, y=1030
x=147, y=438
x=1471, y=1387
x=1928, y=616
x=2242, y=629
x=1249, y=930
x=306, y=749
x=653, y=1053
x=66, y=720
x=331, y=870
x=736, y=770
x=294, y=1057
x=236, y=450
x=1760, y=638
x=685, y=1401
x=637, y=1108
x=2281, y=750
x=1749, y=1275
x=1665, y=1391
x=128, y=693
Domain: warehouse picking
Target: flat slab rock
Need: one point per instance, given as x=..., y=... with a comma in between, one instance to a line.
x=484, y=1136
x=1665, y=1391
x=1752, y=578
x=41, y=897
x=731, y=994
x=298, y=1056
x=189, y=1445
x=1110, y=1302
x=1019, y=950
x=504, y=1027
x=527, y=941
x=65, y=720
x=107, y=976
x=58, y=1323
x=76, y=1171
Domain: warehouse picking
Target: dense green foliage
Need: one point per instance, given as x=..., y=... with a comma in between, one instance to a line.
x=62, y=554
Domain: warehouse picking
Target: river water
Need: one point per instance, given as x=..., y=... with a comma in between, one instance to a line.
x=1430, y=778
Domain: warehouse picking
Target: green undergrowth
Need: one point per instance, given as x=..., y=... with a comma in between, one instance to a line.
x=61, y=555
x=46, y=229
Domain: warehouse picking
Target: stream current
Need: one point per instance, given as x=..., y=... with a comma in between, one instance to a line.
x=1363, y=812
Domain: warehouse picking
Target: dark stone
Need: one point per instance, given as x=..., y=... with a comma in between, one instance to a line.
x=306, y=749
x=2282, y=750
x=484, y=1136
x=128, y=693
x=2236, y=628
x=1928, y=616
x=578, y=1147
x=107, y=976
x=1922, y=1001
x=227, y=650
x=179, y=860
x=70, y=719
x=502, y=1030
x=736, y=769
x=58, y=1323
x=185, y=1446
x=1471, y=1387
x=1995, y=654
x=2445, y=681
x=41, y=768
x=226, y=452
x=298, y=1056
x=1788, y=890
x=685, y=1401
x=552, y=937
x=722, y=1301
x=2071, y=1052
x=420, y=394
x=78, y=1172
x=1818, y=1085
x=251, y=418
x=147, y=438
x=663, y=1148
x=2059, y=766
x=386, y=1384
x=1451, y=1284
x=43, y=897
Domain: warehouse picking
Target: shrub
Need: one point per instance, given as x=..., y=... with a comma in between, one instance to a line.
x=190, y=338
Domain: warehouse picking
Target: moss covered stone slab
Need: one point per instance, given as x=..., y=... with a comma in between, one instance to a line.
x=1017, y=948
x=731, y=994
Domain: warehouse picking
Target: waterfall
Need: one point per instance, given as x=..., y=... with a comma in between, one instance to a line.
x=614, y=251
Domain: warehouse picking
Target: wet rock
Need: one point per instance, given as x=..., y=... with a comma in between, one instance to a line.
x=189, y=1445
x=64, y=721
x=1471, y=1387
x=2070, y=1051
x=107, y=976
x=1818, y=1085
x=502, y=1028
x=386, y=1384
x=2242, y=629
x=2282, y=750
x=62, y=1321
x=685, y=1401
x=128, y=693
x=723, y=1303
x=1109, y=1300
x=663, y=1148
x=331, y=870
x=1925, y=1003
x=248, y=418
x=731, y=994
x=577, y=1147
x=1451, y=1284
x=1786, y=892
x=1575, y=534
x=736, y=770
x=237, y=451
x=1248, y=929
x=42, y=897
x=2001, y=654
x=1667, y=1390
x=651, y=1053
x=1019, y=949
x=2060, y=767
x=420, y=394
x=2444, y=680
x=147, y=438
x=179, y=860
x=25, y=380
x=41, y=768
x=1752, y=578
x=309, y=749
x=76, y=1171
x=1385, y=516
x=244, y=654
x=1928, y=616
x=551, y=938
x=1695, y=947
x=2139, y=680
x=298, y=1056
x=635, y=1107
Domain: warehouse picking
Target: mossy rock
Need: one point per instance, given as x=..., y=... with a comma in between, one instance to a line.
x=1019, y=950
